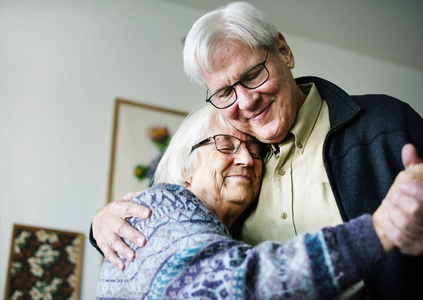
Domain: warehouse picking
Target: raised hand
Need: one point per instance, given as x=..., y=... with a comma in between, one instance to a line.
x=402, y=220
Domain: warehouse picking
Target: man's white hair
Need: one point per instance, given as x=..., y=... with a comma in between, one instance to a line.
x=236, y=21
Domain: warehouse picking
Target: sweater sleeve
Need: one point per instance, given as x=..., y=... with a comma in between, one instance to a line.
x=318, y=266
x=93, y=242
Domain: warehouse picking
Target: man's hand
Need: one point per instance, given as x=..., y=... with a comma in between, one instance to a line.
x=110, y=226
x=402, y=221
x=409, y=159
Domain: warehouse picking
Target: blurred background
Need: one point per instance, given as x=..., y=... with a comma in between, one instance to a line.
x=63, y=64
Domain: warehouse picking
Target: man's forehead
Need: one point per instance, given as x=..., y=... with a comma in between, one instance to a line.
x=228, y=63
x=224, y=53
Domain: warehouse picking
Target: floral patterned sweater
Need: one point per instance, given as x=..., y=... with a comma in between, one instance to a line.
x=190, y=254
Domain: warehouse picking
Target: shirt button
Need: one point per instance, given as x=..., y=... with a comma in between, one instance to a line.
x=284, y=215
x=282, y=172
x=300, y=146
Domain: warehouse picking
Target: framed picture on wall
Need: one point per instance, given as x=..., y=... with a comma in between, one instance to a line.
x=44, y=264
x=140, y=135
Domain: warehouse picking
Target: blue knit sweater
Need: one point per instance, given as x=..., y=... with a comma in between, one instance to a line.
x=191, y=255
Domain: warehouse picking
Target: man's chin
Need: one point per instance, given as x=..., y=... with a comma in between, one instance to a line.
x=266, y=136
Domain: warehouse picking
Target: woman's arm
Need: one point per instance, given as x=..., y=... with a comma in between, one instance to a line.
x=316, y=266
x=190, y=253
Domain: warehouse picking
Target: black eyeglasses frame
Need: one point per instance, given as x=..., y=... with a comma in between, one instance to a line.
x=209, y=98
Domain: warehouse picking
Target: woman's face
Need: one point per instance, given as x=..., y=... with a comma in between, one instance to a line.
x=226, y=183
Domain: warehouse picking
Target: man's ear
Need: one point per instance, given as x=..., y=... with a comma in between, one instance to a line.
x=284, y=50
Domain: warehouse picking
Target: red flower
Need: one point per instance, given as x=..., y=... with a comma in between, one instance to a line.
x=157, y=133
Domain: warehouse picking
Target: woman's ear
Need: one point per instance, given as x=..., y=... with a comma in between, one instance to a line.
x=188, y=180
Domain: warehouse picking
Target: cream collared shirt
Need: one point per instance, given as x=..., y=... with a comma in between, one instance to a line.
x=295, y=195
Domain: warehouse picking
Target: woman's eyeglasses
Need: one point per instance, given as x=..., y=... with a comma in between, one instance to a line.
x=229, y=144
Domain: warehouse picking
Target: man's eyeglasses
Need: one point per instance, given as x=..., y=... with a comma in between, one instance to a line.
x=252, y=79
x=229, y=144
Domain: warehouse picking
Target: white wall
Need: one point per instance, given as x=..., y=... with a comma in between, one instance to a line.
x=356, y=73
x=62, y=64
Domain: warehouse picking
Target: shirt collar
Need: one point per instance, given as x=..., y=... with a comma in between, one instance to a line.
x=306, y=118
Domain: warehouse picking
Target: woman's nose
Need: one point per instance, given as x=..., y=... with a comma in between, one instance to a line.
x=243, y=156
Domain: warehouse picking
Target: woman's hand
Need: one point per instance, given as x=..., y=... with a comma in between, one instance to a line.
x=110, y=226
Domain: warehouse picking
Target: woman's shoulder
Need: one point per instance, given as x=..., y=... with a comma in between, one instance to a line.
x=171, y=195
x=174, y=204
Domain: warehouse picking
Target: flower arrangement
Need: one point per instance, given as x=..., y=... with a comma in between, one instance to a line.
x=160, y=137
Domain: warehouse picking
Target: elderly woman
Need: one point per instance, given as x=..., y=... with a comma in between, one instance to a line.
x=205, y=184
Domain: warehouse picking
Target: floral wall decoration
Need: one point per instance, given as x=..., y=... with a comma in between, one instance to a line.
x=44, y=264
x=160, y=137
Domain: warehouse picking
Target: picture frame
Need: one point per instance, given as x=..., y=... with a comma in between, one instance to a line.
x=131, y=145
x=44, y=263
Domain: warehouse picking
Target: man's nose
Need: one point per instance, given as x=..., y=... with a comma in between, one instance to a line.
x=247, y=98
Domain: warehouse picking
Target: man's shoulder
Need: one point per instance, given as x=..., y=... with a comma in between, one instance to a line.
x=384, y=110
x=342, y=105
x=378, y=99
x=330, y=91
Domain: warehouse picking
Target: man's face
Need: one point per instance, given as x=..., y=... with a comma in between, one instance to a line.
x=268, y=111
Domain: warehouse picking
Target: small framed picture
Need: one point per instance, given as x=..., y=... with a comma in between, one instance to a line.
x=141, y=133
x=44, y=264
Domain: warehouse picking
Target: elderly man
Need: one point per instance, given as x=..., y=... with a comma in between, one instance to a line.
x=332, y=156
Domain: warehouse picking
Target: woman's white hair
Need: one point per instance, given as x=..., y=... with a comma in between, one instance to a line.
x=177, y=162
x=236, y=21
